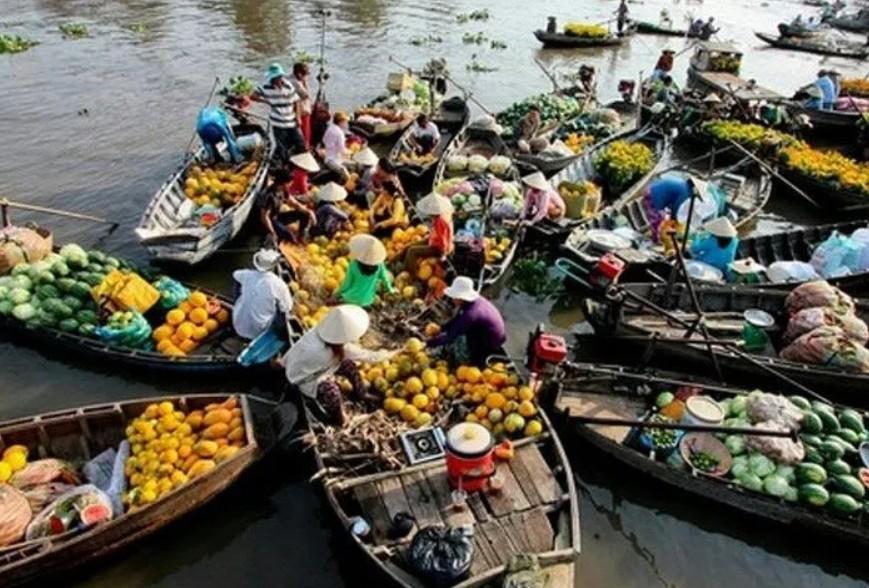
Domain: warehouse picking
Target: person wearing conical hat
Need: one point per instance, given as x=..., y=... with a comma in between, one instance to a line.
x=541, y=201
x=281, y=210
x=302, y=165
x=212, y=126
x=366, y=165
x=331, y=349
x=478, y=323
x=665, y=195
x=367, y=275
x=286, y=111
x=262, y=296
x=439, y=211
x=718, y=247
x=330, y=217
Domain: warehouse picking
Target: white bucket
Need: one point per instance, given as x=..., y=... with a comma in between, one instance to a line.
x=702, y=410
x=249, y=143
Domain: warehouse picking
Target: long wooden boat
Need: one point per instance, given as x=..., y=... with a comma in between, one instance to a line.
x=838, y=124
x=586, y=390
x=747, y=187
x=624, y=320
x=852, y=50
x=164, y=228
x=650, y=28
x=563, y=41
x=79, y=434
x=536, y=512
x=827, y=194
x=450, y=119
x=800, y=32
x=857, y=23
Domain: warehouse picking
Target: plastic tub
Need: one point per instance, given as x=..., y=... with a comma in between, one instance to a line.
x=702, y=410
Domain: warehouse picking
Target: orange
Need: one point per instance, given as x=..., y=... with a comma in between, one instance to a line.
x=165, y=344
x=211, y=325
x=185, y=330
x=163, y=332
x=420, y=401
x=526, y=393
x=409, y=413
x=429, y=378
x=414, y=385
x=197, y=299
x=433, y=393
x=175, y=316
x=462, y=373
x=481, y=411
x=495, y=400
x=527, y=408
x=198, y=316
x=185, y=307
x=473, y=375
x=222, y=316
x=188, y=345
x=200, y=333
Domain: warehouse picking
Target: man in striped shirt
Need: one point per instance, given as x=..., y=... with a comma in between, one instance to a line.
x=285, y=105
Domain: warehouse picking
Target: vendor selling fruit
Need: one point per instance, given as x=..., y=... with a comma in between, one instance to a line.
x=541, y=201
x=262, y=296
x=212, y=125
x=665, y=195
x=330, y=217
x=302, y=165
x=280, y=209
x=718, y=247
x=478, y=322
x=424, y=135
x=440, y=241
x=335, y=146
x=326, y=356
x=366, y=274
x=286, y=111
x=388, y=211
x=527, y=128
x=366, y=167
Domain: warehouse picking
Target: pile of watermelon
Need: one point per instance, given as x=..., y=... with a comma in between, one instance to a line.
x=55, y=292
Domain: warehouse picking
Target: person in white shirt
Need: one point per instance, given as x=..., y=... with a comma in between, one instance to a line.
x=335, y=146
x=330, y=350
x=263, y=296
x=424, y=135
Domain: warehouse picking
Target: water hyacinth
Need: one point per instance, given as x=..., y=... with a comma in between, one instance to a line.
x=15, y=44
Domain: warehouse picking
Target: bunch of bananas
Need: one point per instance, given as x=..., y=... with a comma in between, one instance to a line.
x=623, y=163
x=828, y=166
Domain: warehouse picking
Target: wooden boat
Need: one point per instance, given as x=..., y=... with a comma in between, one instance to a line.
x=536, y=512
x=650, y=28
x=626, y=321
x=852, y=50
x=827, y=194
x=451, y=118
x=585, y=390
x=714, y=67
x=164, y=228
x=790, y=30
x=563, y=41
x=747, y=187
x=838, y=124
x=81, y=434
x=584, y=169
x=857, y=23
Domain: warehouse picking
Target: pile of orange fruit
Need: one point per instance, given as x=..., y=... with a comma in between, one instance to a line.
x=188, y=324
x=397, y=243
x=219, y=186
x=856, y=87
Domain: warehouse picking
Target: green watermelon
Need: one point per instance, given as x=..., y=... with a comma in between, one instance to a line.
x=814, y=494
x=810, y=473
x=69, y=325
x=838, y=467
x=843, y=504
x=849, y=485
x=852, y=421
x=800, y=402
x=65, y=285
x=60, y=269
x=47, y=291
x=87, y=317
x=81, y=290
x=812, y=423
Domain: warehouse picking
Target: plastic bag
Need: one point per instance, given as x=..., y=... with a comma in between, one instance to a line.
x=98, y=471
x=791, y=271
x=133, y=331
x=810, y=319
x=774, y=408
x=779, y=449
x=442, y=556
x=127, y=291
x=860, y=237
x=172, y=292
x=818, y=293
x=828, y=346
x=78, y=509
x=837, y=256
x=43, y=471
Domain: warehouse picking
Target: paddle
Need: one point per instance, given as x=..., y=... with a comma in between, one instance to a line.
x=775, y=174
x=207, y=102
x=5, y=204
x=590, y=420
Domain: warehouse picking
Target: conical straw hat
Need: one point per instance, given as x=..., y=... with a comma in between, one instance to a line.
x=367, y=249
x=434, y=205
x=305, y=161
x=344, y=324
x=331, y=192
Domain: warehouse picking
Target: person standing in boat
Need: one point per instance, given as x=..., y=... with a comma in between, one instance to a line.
x=665, y=195
x=709, y=29
x=622, y=16
x=588, y=81
x=367, y=275
x=551, y=25
x=696, y=28
x=828, y=90
x=262, y=296
x=477, y=325
x=719, y=244
x=335, y=146
x=664, y=65
x=280, y=209
x=299, y=80
x=424, y=135
x=285, y=113
x=212, y=126
x=330, y=217
x=440, y=240
x=541, y=201
x=328, y=351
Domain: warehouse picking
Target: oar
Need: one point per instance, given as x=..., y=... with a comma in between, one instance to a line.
x=775, y=174
x=548, y=74
x=207, y=102
x=590, y=420
x=246, y=113
x=5, y=203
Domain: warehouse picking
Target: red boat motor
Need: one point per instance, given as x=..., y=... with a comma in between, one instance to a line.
x=607, y=271
x=544, y=349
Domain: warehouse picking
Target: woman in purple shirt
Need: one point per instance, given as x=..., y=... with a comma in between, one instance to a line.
x=478, y=321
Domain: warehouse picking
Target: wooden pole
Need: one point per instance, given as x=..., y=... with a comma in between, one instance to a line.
x=590, y=420
x=775, y=174
x=6, y=204
x=548, y=75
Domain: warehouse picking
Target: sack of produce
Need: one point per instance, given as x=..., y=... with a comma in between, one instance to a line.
x=783, y=450
x=79, y=509
x=837, y=256
x=828, y=346
x=23, y=244
x=765, y=407
x=442, y=556
x=606, y=116
x=861, y=238
x=45, y=471
x=172, y=292
x=15, y=515
x=809, y=319
x=42, y=495
x=126, y=329
x=818, y=293
x=585, y=30
x=791, y=271
x=126, y=290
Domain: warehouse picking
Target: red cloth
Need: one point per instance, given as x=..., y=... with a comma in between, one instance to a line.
x=665, y=62
x=305, y=127
x=300, y=184
x=441, y=236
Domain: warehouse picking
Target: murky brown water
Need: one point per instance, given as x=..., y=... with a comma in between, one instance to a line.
x=142, y=91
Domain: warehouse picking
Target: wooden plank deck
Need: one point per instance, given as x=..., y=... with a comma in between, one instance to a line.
x=604, y=406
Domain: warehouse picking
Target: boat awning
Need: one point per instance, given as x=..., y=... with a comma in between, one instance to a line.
x=729, y=84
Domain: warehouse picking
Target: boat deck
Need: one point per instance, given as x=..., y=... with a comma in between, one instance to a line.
x=512, y=521
x=729, y=83
x=601, y=406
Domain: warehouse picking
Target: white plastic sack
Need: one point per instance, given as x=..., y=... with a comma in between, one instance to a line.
x=861, y=238
x=837, y=256
x=791, y=271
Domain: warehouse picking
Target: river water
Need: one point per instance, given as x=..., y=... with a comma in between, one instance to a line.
x=96, y=124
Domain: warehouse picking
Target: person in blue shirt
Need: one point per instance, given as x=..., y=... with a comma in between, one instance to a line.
x=718, y=247
x=828, y=90
x=212, y=125
x=666, y=194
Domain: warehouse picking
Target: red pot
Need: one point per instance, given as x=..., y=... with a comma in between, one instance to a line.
x=470, y=461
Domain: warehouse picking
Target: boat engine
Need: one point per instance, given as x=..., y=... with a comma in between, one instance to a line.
x=606, y=271
x=544, y=349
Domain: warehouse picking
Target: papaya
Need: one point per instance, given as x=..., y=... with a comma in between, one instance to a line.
x=206, y=448
x=236, y=434
x=235, y=423
x=216, y=431
x=194, y=419
x=201, y=467
x=189, y=461
x=236, y=412
x=218, y=415
x=230, y=403
x=225, y=453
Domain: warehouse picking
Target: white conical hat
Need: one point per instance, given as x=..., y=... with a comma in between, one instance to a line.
x=331, y=192
x=367, y=249
x=462, y=288
x=434, y=205
x=305, y=161
x=746, y=266
x=701, y=186
x=536, y=180
x=265, y=259
x=344, y=324
x=366, y=157
x=720, y=227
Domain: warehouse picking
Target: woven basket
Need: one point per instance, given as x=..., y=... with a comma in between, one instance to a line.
x=19, y=244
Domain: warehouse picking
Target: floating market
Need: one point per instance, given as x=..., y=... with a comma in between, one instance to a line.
x=414, y=295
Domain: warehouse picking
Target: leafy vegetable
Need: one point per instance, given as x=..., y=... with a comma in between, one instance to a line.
x=15, y=44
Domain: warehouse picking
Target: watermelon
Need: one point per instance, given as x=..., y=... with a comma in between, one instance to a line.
x=46, y=291
x=74, y=303
x=86, y=329
x=814, y=494
x=831, y=450
x=81, y=290
x=810, y=473
x=852, y=421
x=74, y=256
x=23, y=282
x=21, y=269
x=812, y=440
x=44, y=277
x=60, y=269
x=838, y=467
x=813, y=455
x=775, y=485
x=65, y=285
x=843, y=504
x=87, y=316
x=849, y=436
x=847, y=484
x=93, y=514
x=751, y=482
x=92, y=279
x=112, y=262
x=96, y=256
x=812, y=423
x=18, y=295
x=56, y=307
x=831, y=423
x=800, y=402
x=792, y=495
x=69, y=325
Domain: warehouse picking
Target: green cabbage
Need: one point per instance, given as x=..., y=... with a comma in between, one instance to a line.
x=24, y=312
x=4, y=292
x=735, y=444
x=738, y=470
x=775, y=485
x=786, y=472
x=19, y=295
x=761, y=465
x=7, y=281
x=750, y=481
x=6, y=307
x=22, y=281
x=736, y=408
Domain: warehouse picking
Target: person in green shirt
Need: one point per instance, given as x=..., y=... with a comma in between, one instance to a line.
x=366, y=273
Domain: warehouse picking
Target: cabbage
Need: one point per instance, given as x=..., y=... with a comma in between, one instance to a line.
x=725, y=405
x=474, y=200
x=738, y=470
x=24, y=311
x=761, y=465
x=791, y=495
x=751, y=481
x=736, y=423
x=477, y=164
x=6, y=307
x=735, y=444
x=52, y=258
x=786, y=472
x=775, y=485
x=457, y=163
x=23, y=282
x=499, y=165
x=7, y=281
x=74, y=255
x=736, y=408
x=4, y=292
x=19, y=295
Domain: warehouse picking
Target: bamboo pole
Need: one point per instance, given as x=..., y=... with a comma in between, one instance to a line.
x=774, y=173
x=590, y=420
x=6, y=204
